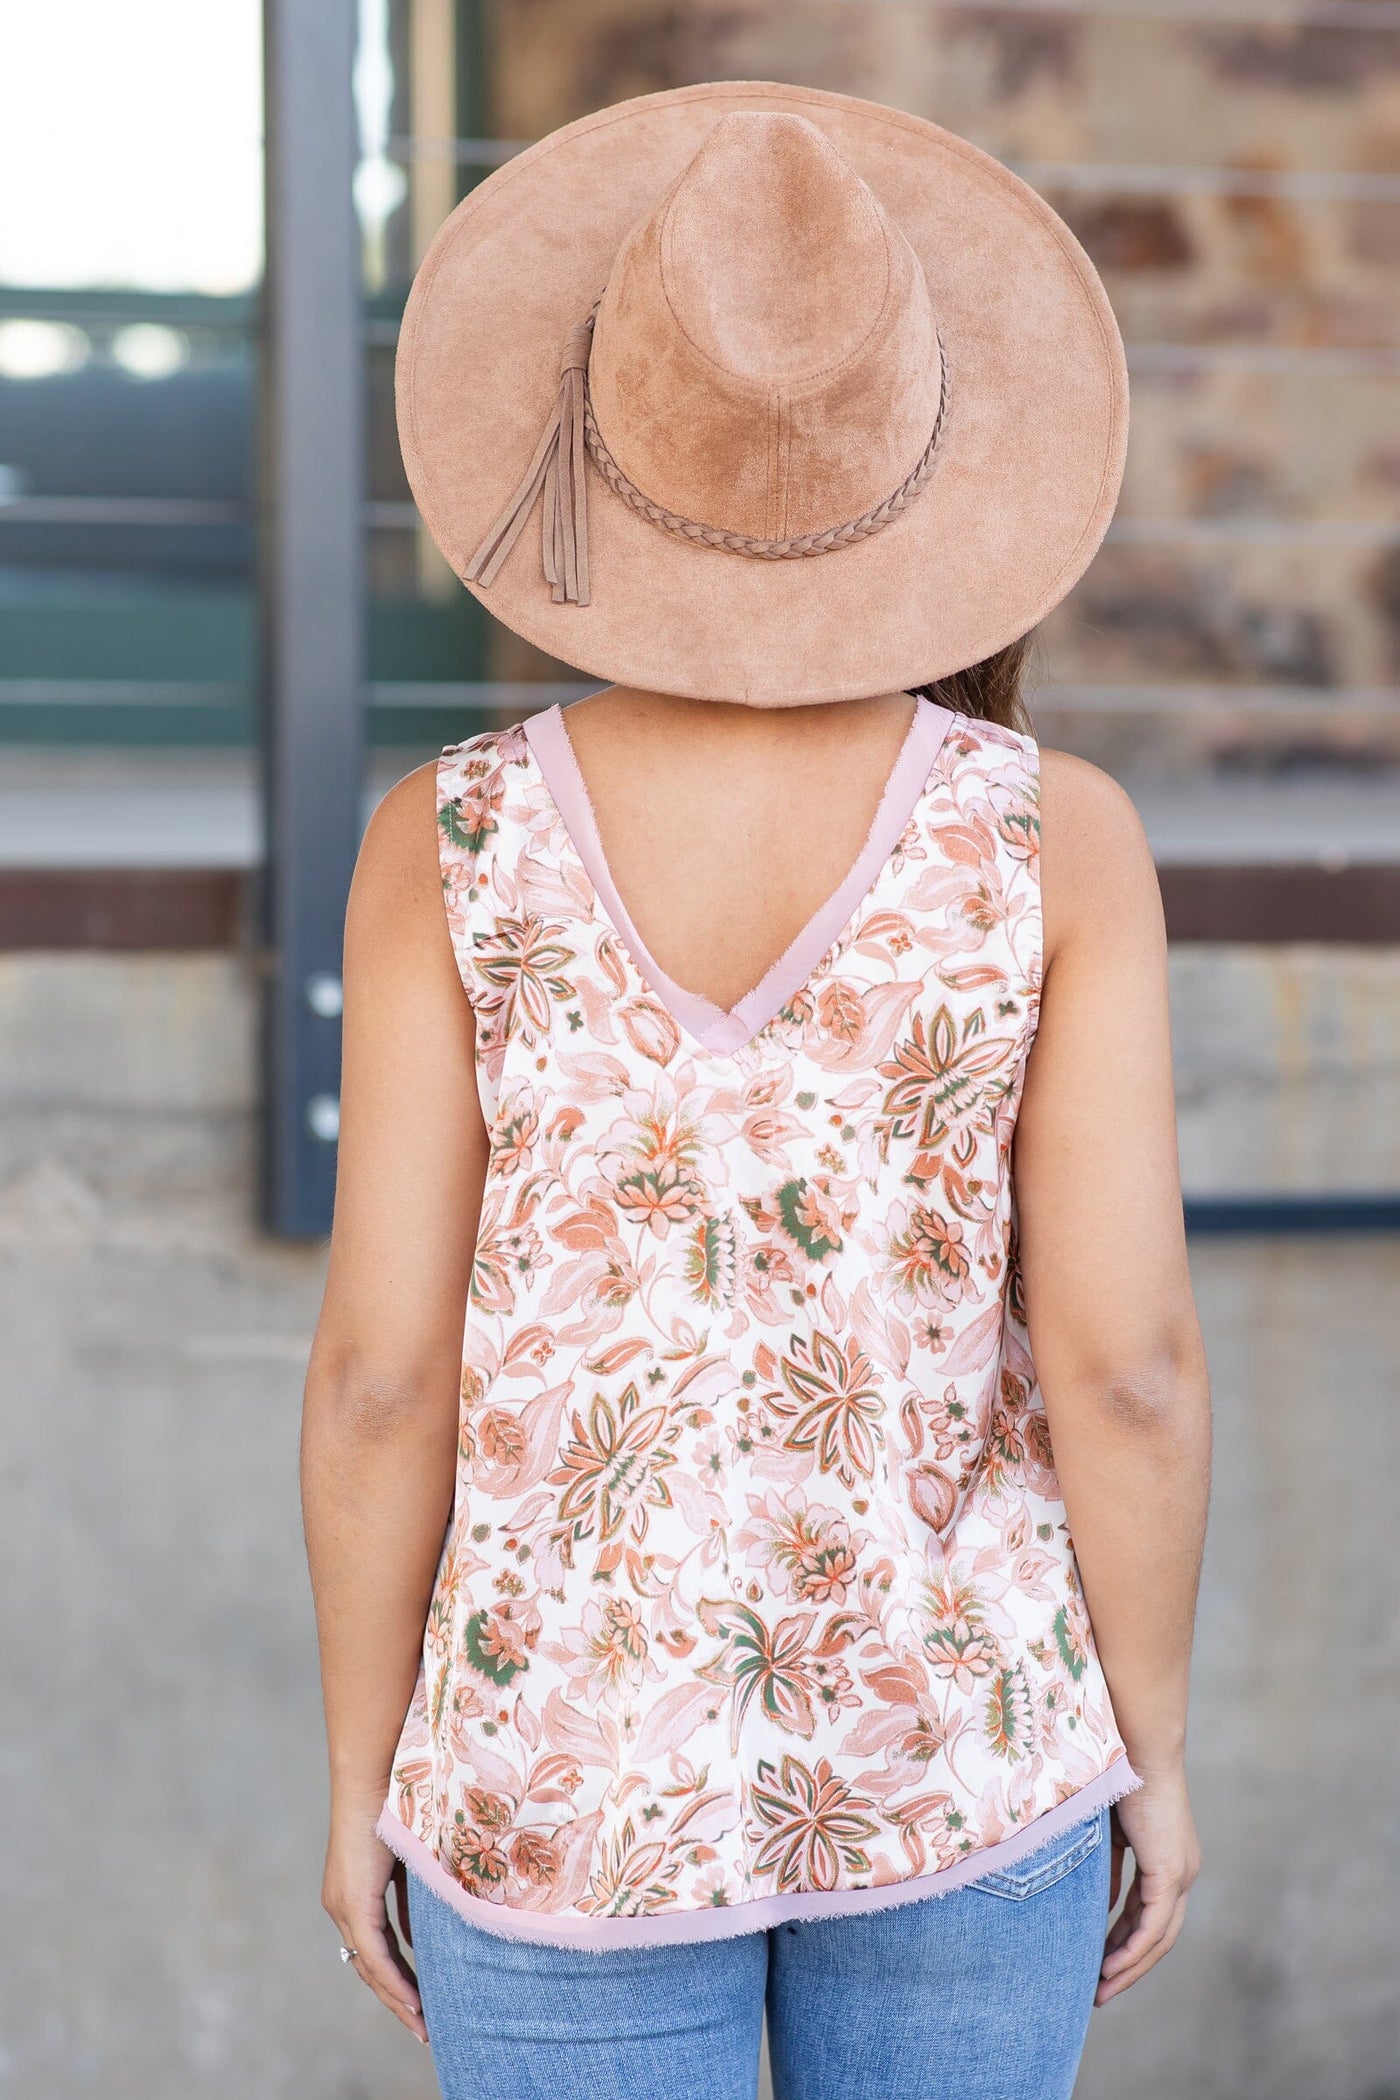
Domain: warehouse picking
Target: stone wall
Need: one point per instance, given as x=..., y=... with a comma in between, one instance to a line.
x=162, y=1759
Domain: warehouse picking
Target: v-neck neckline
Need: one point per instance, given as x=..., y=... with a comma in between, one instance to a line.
x=711, y=1026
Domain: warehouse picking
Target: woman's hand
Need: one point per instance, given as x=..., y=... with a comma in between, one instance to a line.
x=355, y=1893
x=1155, y=1824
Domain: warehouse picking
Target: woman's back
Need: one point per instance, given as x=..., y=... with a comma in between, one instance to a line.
x=727, y=828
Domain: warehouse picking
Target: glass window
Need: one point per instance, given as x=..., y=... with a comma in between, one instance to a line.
x=127, y=288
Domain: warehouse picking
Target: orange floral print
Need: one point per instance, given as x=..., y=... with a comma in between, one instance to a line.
x=834, y=1404
x=810, y=1826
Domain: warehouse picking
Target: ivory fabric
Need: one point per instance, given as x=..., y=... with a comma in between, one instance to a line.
x=777, y=267
x=758, y=1598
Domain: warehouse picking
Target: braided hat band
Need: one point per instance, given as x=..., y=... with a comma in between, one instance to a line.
x=557, y=469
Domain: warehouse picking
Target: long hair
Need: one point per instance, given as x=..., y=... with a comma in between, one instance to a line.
x=991, y=690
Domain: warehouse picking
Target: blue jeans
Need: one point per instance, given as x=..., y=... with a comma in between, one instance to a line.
x=983, y=1994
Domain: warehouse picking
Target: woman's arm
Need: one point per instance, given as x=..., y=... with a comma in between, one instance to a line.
x=1113, y=1327
x=379, y=1428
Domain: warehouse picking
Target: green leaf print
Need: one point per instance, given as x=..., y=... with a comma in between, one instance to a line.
x=466, y=823
x=485, y=1653
x=711, y=1264
x=1073, y=1654
x=1010, y=1720
x=804, y=1223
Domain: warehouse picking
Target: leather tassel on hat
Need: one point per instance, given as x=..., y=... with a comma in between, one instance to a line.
x=558, y=469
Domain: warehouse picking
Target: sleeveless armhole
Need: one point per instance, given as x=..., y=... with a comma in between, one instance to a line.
x=473, y=816
x=1031, y=888
x=469, y=796
x=1004, y=780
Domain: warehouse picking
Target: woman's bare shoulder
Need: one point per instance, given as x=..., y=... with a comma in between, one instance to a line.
x=1097, y=871
x=397, y=867
x=399, y=813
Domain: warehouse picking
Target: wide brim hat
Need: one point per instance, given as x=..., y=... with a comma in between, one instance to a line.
x=810, y=398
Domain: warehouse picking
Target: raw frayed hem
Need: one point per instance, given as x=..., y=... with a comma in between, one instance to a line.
x=760, y=1913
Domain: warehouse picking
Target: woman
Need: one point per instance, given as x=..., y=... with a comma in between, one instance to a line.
x=793, y=1138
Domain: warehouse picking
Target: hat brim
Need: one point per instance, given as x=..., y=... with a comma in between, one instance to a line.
x=1029, y=466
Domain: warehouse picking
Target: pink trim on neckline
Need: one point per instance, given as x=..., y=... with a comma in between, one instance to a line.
x=760, y=1913
x=712, y=1026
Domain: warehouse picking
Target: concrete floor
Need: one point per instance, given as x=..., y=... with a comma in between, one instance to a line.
x=162, y=1754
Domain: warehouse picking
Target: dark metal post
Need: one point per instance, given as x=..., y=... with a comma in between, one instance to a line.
x=312, y=592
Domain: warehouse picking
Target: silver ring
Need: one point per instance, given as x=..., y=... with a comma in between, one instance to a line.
x=349, y=1953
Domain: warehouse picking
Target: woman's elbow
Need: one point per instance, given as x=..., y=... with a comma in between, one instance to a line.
x=1159, y=1407
x=1162, y=1394
x=371, y=1401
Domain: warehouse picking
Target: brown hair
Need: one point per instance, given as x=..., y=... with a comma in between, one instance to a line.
x=991, y=691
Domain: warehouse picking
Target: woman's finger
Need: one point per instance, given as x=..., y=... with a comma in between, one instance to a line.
x=379, y=1964
x=1125, y=1980
x=1158, y=1905
x=1162, y=1947
x=1153, y=1937
x=1126, y=1921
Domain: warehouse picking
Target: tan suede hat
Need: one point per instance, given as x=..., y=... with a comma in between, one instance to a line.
x=816, y=400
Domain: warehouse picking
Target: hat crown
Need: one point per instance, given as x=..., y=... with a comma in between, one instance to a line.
x=765, y=360
x=773, y=250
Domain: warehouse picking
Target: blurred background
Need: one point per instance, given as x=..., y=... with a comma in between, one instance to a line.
x=223, y=632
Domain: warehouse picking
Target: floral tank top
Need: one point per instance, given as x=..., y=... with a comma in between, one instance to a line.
x=757, y=1600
